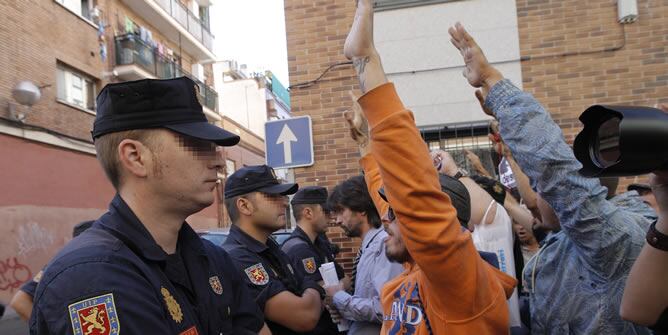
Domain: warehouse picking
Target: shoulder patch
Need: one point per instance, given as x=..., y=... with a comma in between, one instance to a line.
x=309, y=264
x=216, y=286
x=95, y=316
x=257, y=274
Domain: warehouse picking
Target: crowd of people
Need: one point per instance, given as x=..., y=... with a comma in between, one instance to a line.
x=540, y=250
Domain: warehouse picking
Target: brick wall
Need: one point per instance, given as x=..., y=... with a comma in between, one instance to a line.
x=316, y=30
x=577, y=55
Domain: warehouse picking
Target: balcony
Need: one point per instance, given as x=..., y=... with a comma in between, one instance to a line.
x=178, y=24
x=137, y=60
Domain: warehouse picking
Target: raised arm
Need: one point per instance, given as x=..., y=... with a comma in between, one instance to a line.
x=600, y=231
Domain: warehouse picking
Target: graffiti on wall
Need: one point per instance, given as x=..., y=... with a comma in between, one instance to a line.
x=13, y=274
x=32, y=237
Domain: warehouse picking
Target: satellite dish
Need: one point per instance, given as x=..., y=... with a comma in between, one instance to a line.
x=26, y=93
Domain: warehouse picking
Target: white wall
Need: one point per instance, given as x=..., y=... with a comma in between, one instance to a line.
x=417, y=39
x=244, y=102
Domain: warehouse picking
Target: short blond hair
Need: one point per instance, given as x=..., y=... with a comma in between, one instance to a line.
x=106, y=147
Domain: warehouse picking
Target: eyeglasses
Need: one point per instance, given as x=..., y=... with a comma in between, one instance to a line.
x=390, y=214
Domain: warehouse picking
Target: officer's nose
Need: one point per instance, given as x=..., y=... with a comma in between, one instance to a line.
x=216, y=162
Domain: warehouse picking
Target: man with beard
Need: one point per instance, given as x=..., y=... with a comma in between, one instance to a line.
x=358, y=217
x=256, y=203
x=308, y=247
x=446, y=288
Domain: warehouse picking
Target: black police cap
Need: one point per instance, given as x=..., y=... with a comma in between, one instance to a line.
x=310, y=195
x=256, y=178
x=150, y=103
x=459, y=196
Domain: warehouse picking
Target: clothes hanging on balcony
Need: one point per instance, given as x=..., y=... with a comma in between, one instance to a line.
x=129, y=25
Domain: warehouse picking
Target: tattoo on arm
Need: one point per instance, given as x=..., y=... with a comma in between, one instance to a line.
x=360, y=66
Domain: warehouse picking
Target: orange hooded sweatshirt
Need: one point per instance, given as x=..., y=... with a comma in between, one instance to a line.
x=449, y=289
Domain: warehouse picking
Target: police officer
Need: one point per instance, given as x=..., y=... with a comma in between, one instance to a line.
x=256, y=203
x=308, y=247
x=140, y=267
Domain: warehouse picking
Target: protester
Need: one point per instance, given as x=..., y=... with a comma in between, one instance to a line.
x=577, y=278
x=357, y=216
x=140, y=267
x=256, y=203
x=447, y=288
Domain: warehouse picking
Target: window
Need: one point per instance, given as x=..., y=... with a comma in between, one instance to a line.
x=83, y=8
x=394, y=4
x=230, y=167
x=75, y=88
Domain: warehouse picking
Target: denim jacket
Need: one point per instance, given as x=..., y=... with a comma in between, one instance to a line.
x=577, y=278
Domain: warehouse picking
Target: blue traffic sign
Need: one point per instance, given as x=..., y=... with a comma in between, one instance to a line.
x=289, y=142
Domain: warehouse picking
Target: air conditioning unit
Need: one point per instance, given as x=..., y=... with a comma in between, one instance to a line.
x=627, y=11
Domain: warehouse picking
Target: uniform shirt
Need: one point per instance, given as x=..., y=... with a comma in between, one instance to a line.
x=364, y=308
x=306, y=258
x=448, y=288
x=115, y=277
x=267, y=270
x=577, y=278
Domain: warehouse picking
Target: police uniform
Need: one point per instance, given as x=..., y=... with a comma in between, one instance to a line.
x=307, y=257
x=266, y=269
x=114, y=276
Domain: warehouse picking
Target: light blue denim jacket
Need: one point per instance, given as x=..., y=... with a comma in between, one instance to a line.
x=577, y=278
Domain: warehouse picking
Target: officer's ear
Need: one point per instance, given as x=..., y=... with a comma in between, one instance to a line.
x=135, y=158
x=307, y=212
x=245, y=206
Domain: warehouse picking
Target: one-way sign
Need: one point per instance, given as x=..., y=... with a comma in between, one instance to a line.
x=289, y=142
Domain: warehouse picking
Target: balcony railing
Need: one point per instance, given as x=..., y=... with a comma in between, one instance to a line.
x=130, y=50
x=198, y=28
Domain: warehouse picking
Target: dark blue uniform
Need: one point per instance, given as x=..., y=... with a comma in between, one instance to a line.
x=115, y=277
x=306, y=258
x=267, y=271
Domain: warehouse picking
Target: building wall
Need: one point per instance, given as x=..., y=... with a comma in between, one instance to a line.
x=568, y=67
x=426, y=69
x=316, y=30
x=244, y=102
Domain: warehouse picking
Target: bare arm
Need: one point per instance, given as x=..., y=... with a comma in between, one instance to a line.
x=22, y=304
x=646, y=294
x=523, y=184
x=300, y=314
x=519, y=214
x=265, y=330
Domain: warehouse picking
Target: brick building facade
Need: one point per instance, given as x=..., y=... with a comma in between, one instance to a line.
x=573, y=54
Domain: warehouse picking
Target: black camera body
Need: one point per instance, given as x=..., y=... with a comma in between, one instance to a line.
x=622, y=141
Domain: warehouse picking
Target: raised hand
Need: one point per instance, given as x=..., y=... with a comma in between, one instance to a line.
x=359, y=128
x=359, y=43
x=444, y=163
x=478, y=71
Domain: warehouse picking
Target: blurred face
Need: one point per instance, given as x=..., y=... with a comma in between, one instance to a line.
x=525, y=236
x=184, y=171
x=350, y=221
x=395, y=249
x=268, y=210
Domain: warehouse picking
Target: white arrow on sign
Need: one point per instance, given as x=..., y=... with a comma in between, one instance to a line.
x=286, y=138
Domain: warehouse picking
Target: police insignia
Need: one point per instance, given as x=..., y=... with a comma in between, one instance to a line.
x=172, y=305
x=309, y=264
x=257, y=274
x=216, y=286
x=95, y=316
x=190, y=331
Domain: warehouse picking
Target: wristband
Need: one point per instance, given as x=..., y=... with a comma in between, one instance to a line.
x=657, y=239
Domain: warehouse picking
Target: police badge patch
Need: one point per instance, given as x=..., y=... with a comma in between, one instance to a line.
x=95, y=316
x=172, y=305
x=309, y=264
x=216, y=286
x=257, y=274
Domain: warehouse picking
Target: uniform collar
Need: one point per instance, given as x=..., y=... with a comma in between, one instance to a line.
x=241, y=238
x=122, y=220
